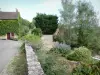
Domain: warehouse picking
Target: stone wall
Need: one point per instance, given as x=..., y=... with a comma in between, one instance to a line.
x=34, y=67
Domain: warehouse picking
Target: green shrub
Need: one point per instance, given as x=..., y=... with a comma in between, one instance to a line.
x=22, y=48
x=24, y=27
x=33, y=40
x=61, y=48
x=88, y=65
x=54, y=38
x=51, y=63
x=94, y=45
x=61, y=51
x=83, y=69
x=80, y=54
x=37, y=31
x=53, y=66
x=63, y=35
x=23, y=31
x=14, y=39
x=58, y=38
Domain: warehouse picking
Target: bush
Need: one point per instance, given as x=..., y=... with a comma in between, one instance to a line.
x=55, y=67
x=47, y=23
x=62, y=36
x=81, y=54
x=88, y=65
x=37, y=32
x=33, y=40
x=54, y=38
x=62, y=46
x=58, y=38
x=22, y=48
x=23, y=31
x=58, y=35
x=62, y=49
x=93, y=69
x=51, y=63
x=14, y=39
x=94, y=45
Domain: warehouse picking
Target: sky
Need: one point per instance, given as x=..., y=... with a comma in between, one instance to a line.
x=29, y=8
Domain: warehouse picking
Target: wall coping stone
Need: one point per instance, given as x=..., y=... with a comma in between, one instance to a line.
x=34, y=66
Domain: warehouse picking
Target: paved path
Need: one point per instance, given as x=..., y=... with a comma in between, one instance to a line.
x=8, y=49
x=48, y=41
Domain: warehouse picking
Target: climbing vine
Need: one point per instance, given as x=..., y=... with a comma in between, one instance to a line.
x=8, y=26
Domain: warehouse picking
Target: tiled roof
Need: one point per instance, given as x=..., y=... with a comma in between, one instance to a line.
x=8, y=15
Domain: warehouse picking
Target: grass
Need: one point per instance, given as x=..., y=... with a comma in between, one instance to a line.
x=18, y=65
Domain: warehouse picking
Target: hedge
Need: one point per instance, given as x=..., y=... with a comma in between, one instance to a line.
x=47, y=23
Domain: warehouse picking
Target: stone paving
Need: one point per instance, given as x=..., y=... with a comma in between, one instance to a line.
x=47, y=41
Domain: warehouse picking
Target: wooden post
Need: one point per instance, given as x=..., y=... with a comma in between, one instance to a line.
x=8, y=36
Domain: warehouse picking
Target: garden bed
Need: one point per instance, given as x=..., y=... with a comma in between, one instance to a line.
x=53, y=63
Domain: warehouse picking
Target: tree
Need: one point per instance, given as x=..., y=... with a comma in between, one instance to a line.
x=32, y=25
x=24, y=27
x=79, y=30
x=86, y=23
x=47, y=23
x=68, y=16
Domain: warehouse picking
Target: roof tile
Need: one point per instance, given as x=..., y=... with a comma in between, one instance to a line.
x=8, y=15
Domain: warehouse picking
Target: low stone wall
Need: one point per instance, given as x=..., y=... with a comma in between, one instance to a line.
x=34, y=67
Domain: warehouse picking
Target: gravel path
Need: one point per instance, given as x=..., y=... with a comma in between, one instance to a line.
x=8, y=49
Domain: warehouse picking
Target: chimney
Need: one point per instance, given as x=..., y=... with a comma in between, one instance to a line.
x=0, y=10
x=16, y=10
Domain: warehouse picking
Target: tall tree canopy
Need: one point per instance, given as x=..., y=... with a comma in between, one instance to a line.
x=67, y=13
x=81, y=25
x=87, y=23
x=67, y=17
x=24, y=27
